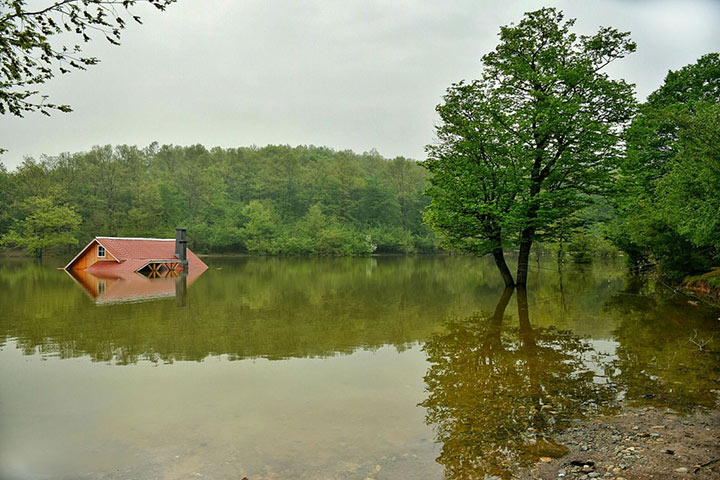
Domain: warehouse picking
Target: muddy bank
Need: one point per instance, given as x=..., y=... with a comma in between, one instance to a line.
x=638, y=444
x=705, y=287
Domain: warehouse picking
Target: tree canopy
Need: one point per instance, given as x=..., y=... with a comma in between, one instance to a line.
x=270, y=200
x=45, y=224
x=531, y=140
x=666, y=198
x=35, y=44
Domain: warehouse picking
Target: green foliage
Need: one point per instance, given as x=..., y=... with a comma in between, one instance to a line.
x=586, y=246
x=581, y=248
x=528, y=143
x=393, y=240
x=689, y=194
x=44, y=225
x=377, y=204
x=5, y=200
x=261, y=228
x=32, y=52
x=667, y=198
x=271, y=200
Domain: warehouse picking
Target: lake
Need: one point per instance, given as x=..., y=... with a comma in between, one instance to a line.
x=305, y=368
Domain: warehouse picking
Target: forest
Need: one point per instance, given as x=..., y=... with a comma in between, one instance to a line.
x=270, y=200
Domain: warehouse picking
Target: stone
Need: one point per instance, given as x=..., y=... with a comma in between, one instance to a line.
x=681, y=470
x=546, y=459
x=593, y=475
x=561, y=473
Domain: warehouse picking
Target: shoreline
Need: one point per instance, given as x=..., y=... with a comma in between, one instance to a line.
x=638, y=443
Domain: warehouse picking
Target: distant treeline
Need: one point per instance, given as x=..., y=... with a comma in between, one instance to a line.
x=270, y=200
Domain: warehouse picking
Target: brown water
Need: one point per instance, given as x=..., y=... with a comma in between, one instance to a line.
x=384, y=367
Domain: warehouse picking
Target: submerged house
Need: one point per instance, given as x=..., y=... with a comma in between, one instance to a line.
x=118, y=269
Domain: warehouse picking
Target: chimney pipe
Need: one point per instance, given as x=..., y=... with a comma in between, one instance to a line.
x=181, y=246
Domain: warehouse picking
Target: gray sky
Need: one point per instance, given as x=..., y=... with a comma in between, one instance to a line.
x=346, y=74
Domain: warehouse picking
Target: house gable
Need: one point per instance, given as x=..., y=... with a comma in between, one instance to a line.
x=88, y=256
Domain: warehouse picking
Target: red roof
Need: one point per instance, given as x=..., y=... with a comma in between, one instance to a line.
x=132, y=254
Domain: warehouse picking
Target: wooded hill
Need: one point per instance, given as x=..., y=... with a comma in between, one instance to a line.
x=270, y=200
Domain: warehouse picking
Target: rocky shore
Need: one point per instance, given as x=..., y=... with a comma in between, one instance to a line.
x=637, y=444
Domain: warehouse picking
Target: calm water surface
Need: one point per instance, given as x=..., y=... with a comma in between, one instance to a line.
x=384, y=367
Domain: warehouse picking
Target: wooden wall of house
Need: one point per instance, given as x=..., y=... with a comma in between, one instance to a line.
x=90, y=257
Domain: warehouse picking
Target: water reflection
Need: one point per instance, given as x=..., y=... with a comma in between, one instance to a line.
x=499, y=389
x=668, y=352
x=134, y=287
x=361, y=343
x=247, y=308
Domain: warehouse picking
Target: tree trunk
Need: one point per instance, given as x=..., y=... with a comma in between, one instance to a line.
x=524, y=258
x=499, y=257
x=528, y=232
x=560, y=254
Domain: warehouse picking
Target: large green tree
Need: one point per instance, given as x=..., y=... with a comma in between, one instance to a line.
x=666, y=198
x=531, y=140
x=36, y=43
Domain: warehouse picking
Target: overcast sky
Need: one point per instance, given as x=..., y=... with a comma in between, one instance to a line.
x=346, y=74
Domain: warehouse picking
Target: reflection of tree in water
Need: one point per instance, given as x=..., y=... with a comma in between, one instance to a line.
x=253, y=307
x=497, y=395
x=669, y=352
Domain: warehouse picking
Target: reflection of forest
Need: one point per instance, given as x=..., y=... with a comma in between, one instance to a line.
x=499, y=389
x=280, y=308
x=669, y=350
x=249, y=307
x=498, y=393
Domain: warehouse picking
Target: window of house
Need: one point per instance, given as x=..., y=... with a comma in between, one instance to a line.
x=101, y=287
x=101, y=251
